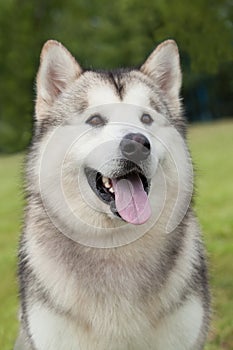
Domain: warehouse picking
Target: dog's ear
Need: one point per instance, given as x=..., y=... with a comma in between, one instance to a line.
x=58, y=69
x=163, y=67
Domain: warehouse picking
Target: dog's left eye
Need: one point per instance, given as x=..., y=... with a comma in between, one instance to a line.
x=146, y=119
x=96, y=120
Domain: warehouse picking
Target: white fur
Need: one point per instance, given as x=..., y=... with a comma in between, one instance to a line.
x=51, y=331
x=178, y=331
x=181, y=329
x=137, y=95
x=101, y=94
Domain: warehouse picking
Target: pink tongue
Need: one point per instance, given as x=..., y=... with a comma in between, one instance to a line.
x=131, y=200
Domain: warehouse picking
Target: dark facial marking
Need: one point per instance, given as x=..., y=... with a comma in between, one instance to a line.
x=115, y=79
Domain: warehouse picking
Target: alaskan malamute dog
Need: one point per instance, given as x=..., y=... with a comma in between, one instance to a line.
x=111, y=256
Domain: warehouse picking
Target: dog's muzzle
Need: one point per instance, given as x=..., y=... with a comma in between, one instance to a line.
x=122, y=183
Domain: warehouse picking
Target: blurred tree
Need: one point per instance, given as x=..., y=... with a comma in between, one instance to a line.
x=106, y=35
x=21, y=33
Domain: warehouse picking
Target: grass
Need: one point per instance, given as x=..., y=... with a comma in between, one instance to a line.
x=211, y=146
x=10, y=213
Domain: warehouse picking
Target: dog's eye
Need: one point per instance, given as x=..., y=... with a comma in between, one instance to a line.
x=146, y=119
x=96, y=120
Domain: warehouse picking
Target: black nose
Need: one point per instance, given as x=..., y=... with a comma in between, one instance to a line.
x=135, y=147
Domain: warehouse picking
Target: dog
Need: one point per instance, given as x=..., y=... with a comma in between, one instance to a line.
x=111, y=255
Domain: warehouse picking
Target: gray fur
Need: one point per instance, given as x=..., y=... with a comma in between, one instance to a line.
x=131, y=282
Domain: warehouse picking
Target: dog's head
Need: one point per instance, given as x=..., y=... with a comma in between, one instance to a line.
x=110, y=137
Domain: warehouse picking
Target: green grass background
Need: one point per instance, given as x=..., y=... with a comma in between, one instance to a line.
x=212, y=149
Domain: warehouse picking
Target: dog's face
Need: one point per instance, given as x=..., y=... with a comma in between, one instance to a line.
x=108, y=141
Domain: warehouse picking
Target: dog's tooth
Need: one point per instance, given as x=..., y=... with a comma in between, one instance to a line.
x=111, y=190
x=106, y=182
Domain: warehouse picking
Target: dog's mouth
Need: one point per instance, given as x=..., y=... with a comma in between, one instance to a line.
x=126, y=191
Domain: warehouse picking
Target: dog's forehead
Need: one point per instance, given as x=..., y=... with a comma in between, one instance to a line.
x=105, y=92
x=101, y=93
x=138, y=93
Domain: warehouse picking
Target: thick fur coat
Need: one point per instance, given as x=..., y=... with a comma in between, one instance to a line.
x=94, y=275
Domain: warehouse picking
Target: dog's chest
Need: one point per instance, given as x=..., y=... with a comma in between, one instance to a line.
x=110, y=327
x=124, y=330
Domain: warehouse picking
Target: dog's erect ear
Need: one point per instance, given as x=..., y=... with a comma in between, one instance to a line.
x=163, y=66
x=58, y=69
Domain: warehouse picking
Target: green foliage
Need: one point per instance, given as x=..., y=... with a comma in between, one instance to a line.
x=211, y=147
x=105, y=35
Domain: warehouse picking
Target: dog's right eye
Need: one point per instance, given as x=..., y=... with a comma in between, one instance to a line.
x=96, y=120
